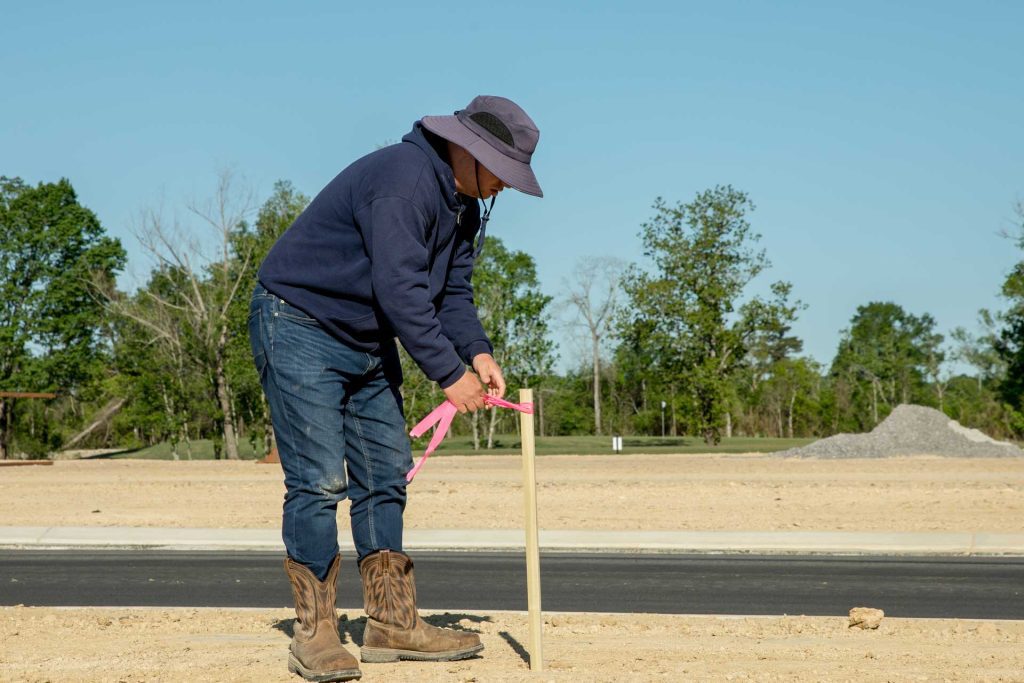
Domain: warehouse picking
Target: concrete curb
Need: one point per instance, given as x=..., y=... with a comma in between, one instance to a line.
x=556, y=540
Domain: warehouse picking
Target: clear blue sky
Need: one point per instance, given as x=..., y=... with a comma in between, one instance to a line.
x=883, y=143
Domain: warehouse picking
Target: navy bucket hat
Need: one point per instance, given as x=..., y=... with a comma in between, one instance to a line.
x=498, y=134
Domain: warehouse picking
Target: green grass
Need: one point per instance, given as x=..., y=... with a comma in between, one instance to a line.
x=602, y=445
x=508, y=444
x=201, y=450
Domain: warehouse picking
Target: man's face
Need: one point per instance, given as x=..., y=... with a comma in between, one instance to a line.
x=468, y=172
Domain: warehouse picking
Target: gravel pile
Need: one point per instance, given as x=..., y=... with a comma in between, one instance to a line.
x=909, y=430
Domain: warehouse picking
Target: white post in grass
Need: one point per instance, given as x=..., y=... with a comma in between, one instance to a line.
x=532, y=535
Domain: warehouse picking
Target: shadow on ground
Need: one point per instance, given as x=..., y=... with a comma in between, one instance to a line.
x=351, y=630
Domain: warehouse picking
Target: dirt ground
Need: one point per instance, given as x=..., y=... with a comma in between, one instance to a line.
x=700, y=492
x=147, y=644
x=652, y=492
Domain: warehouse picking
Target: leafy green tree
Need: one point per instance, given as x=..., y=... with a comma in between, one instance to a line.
x=156, y=352
x=688, y=313
x=981, y=350
x=276, y=215
x=1009, y=344
x=51, y=248
x=632, y=376
x=194, y=316
x=976, y=400
x=883, y=360
x=1011, y=388
x=419, y=394
x=789, y=397
x=980, y=406
x=770, y=340
x=770, y=345
x=165, y=359
x=515, y=316
x=564, y=405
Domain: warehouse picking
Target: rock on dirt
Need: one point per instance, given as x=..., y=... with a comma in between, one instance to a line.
x=909, y=430
x=865, y=617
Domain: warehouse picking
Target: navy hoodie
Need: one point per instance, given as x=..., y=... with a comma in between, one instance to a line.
x=385, y=250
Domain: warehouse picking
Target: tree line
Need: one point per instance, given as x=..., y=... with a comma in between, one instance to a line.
x=676, y=345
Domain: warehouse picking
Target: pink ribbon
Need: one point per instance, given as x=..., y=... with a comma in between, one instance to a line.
x=441, y=418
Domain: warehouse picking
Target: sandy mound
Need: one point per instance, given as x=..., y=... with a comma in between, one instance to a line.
x=910, y=430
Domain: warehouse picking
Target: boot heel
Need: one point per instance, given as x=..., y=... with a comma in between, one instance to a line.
x=378, y=655
x=315, y=636
x=295, y=667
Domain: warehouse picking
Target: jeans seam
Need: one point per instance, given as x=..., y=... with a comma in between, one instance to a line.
x=291, y=428
x=368, y=465
x=270, y=327
x=258, y=314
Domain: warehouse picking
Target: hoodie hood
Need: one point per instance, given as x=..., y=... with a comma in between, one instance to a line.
x=435, y=149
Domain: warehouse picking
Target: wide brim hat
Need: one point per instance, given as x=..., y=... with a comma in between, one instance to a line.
x=497, y=133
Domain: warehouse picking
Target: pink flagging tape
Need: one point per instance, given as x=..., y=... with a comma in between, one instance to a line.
x=502, y=403
x=441, y=419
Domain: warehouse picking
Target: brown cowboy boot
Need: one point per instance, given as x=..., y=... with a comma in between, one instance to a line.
x=316, y=653
x=394, y=629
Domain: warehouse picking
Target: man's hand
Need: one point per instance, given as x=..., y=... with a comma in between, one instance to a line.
x=467, y=394
x=490, y=374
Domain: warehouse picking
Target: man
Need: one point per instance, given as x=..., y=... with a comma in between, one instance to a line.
x=385, y=250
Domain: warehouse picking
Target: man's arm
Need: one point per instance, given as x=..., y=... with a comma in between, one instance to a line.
x=399, y=256
x=398, y=270
x=458, y=316
x=460, y=321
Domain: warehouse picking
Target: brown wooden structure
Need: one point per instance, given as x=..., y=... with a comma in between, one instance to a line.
x=270, y=458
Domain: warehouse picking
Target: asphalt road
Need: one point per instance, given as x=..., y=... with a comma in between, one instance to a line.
x=681, y=584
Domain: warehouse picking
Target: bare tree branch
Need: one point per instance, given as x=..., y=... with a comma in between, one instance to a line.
x=202, y=282
x=595, y=315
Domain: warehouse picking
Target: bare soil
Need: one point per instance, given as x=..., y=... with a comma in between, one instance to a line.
x=702, y=492
x=651, y=492
x=145, y=644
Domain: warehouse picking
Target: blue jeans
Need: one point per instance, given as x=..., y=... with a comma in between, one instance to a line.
x=340, y=429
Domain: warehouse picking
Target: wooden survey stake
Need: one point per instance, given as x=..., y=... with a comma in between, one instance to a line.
x=532, y=536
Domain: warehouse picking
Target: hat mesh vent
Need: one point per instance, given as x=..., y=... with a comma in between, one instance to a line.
x=493, y=125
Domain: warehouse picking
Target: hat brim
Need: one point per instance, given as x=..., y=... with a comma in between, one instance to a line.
x=515, y=174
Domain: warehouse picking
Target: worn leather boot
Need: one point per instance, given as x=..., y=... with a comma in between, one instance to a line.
x=316, y=653
x=394, y=629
